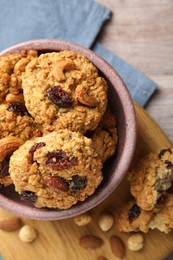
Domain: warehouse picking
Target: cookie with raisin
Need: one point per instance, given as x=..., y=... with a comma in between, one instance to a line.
x=15, y=121
x=163, y=220
x=63, y=90
x=151, y=179
x=56, y=170
x=134, y=219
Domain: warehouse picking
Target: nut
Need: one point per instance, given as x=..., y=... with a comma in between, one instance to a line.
x=105, y=221
x=10, y=224
x=8, y=145
x=83, y=97
x=60, y=66
x=20, y=65
x=12, y=98
x=117, y=246
x=135, y=242
x=27, y=234
x=83, y=219
x=90, y=242
x=56, y=184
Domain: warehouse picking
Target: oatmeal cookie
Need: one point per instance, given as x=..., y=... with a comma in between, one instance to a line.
x=163, y=220
x=11, y=67
x=64, y=90
x=133, y=218
x=7, y=146
x=15, y=121
x=151, y=180
x=105, y=136
x=56, y=170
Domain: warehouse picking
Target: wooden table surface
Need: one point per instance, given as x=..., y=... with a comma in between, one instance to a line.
x=141, y=32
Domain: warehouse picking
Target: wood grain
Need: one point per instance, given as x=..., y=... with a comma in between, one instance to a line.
x=60, y=239
x=141, y=32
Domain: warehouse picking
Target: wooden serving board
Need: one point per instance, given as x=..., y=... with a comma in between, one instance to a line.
x=59, y=240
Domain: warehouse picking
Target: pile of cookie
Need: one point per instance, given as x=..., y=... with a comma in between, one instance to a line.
x=151, y=184
x=56, y=127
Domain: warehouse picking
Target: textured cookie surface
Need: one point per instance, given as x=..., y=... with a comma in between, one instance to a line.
x=163, y=220
x=11, y=67
x=63, y=90
x=56, y=170
x=105, y=136
x=15, y=121
x=151, y=180
x=133, y=218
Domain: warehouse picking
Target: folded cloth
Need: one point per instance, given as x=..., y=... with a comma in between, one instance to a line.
x=77, y=21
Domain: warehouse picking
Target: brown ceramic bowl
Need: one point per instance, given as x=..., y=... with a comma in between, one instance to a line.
x=116, y=167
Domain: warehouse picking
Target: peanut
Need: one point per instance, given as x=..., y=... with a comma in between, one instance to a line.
x=105, y=221
x=83, y=219
x=135, y=242
x=27, y=234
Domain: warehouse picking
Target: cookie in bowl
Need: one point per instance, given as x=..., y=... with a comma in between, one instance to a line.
x=63, y=90
x=56, y=170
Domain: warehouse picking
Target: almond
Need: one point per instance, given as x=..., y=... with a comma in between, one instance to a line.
x=90, y=242
x=117, y=246
x=10, y=224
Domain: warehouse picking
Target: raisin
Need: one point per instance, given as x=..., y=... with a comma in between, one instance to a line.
x=134, y=212
x=162, y=152
x=78, y=183
x=169, y=164
x=59, y=160
x=17, y=109
x=28, y=197
x=59, y=97
x=162, y=197
x=57, y=184
x=33, y=149
x=89, y=134
x=4, y=168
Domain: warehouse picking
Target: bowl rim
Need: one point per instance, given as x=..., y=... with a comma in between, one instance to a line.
x=126, y=155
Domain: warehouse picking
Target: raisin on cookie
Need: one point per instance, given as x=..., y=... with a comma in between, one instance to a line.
x=151, y=180
x=64, y=90
x=56, y=170
x=134, y=219
x=15, y=121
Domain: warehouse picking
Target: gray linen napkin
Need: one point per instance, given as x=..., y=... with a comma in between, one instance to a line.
x=77, y=21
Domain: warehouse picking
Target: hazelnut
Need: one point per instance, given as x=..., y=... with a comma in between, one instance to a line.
x=27, y=234
x=105, y=221
x=135, y=242
x=83, y=219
